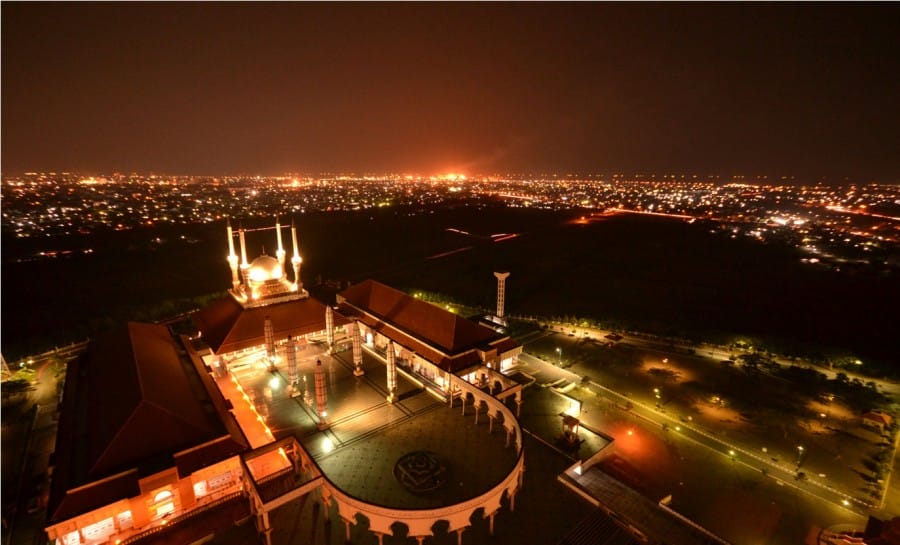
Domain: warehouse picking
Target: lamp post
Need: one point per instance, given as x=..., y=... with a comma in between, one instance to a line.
x=800, y=451
x=559, y=353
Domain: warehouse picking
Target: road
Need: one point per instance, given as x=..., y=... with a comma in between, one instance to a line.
x=787, y=474
x=665, y=346
x=36, y=437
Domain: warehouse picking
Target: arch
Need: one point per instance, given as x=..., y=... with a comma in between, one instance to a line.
x=400, y=530
x=162, y=495
x=440, y=528
x=480, y=511
x=163, y=503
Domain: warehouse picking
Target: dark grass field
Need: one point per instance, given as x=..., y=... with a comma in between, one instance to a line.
x=657, y=274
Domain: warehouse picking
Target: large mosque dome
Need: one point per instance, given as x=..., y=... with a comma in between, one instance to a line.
x=265, y=268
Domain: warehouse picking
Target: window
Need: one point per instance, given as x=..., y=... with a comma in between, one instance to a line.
x=99, y=530
x=124, y=519
x=163, y=504
x=219, y=481
x=200, y=489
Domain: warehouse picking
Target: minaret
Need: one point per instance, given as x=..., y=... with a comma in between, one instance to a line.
x=296, y=260
x=501, y=292
x=233, y=260
x=280, y=253
x=245, y=267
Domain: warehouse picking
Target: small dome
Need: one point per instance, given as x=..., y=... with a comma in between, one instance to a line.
x=265, y=268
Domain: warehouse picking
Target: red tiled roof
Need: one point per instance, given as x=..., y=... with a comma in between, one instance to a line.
x=132, y=401
x=878, y=416
x=452, y=363
x=505, y=345
x=447, y=331
x=227, y=326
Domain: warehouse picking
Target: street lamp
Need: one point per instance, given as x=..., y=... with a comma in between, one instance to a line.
x=800, y=450
x=559, y=353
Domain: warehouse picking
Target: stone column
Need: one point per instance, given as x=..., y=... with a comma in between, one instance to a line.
x=357, y=349
x=291, y=356
x=391, y=372
x=329, y=327
x=321, y=396
x=269, y=333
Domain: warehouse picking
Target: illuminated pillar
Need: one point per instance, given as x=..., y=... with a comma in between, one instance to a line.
x=296, y=260
x=292, y=360
x=245, y=267
x=232, y=259
x=321, y=396
x=329, y=326
x=501, y=291
x=391, y=372
x=269, y=333
x=280, y=252
x=357, y=349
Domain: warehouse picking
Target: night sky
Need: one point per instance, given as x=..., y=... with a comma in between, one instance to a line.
x=222, y=88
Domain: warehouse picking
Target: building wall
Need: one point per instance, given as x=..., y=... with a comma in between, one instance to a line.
x=164, y=496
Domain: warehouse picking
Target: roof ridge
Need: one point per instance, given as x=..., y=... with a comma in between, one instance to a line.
x=112, y=441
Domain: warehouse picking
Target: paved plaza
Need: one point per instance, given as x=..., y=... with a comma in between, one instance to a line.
x=367, y=435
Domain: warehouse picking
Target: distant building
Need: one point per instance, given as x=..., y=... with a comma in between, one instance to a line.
x=878, y=420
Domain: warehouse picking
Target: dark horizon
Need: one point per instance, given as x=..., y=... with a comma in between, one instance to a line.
x=804, y=90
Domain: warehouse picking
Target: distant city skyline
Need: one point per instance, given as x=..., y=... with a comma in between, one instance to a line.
x=804, y=90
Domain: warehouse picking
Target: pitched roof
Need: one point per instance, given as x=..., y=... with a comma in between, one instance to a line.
x=878, y=416
x=132, y=402
x=227, y=326
x=444, y=330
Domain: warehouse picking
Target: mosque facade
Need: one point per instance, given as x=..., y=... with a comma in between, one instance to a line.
x=158, y=429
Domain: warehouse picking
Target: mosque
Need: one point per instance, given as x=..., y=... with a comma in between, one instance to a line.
x=369, y=405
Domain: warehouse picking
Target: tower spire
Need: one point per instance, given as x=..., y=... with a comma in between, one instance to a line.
x=232, y=258
x=280, y=253
x=296, y=260
x=501, y=292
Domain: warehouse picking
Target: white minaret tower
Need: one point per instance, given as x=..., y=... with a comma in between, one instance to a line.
x=280, y=253
x=501, y=292
x=245, y=267
x=296, y=260
x=233, y=260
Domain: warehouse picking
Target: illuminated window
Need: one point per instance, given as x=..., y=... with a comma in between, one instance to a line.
x=200, y=489
x=220, y=481
x=163, y=504
x=99, y=530
x=124, y=519
x=72, y=538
